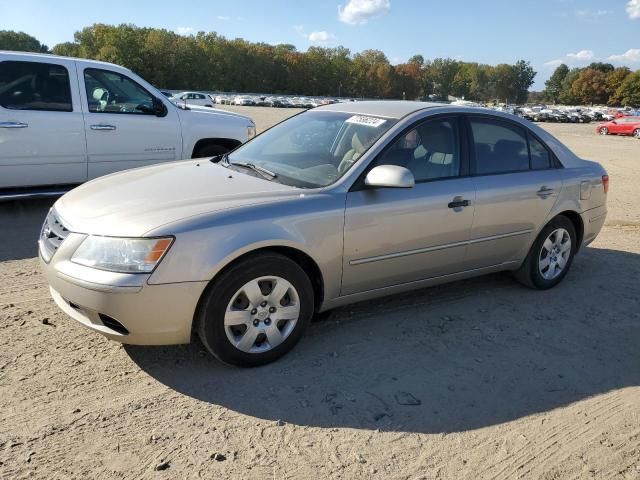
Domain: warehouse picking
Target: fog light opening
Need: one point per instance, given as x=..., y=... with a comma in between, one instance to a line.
x=113, y=324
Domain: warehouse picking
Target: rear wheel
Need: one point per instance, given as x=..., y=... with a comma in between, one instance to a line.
x=256, y=311
x=604, y=131
x=550, y=256
x=636, y=133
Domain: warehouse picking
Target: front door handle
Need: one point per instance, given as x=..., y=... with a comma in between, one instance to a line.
x=13, y=125
x=544, y=192
x=102, y=126
x=458, y=202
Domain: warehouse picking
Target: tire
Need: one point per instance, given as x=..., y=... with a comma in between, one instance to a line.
x=238, y=331
x=604, y=131
x=532, y=273
x=636, y=133
x=211, y=150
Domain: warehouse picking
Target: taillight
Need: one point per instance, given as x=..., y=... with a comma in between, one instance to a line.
x=605, y=183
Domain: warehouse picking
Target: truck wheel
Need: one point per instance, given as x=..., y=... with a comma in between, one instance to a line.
x=210, y=151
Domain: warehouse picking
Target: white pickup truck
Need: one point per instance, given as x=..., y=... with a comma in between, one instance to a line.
x=64, y=121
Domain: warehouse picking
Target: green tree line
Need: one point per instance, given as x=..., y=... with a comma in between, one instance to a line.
x=208, y=61
x=598, y=83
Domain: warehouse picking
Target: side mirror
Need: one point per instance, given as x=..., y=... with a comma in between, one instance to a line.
x=159, y=108
x=391, y=176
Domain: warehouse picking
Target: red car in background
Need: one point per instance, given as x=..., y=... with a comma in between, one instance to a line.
x=620, y=126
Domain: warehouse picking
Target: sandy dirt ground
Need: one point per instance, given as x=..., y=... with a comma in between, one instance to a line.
x=480, y=379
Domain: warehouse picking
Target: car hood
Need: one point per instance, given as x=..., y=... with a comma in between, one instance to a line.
x=137, y=201
x=208, y=111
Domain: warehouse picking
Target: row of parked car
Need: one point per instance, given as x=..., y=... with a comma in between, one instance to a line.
x=209, y=100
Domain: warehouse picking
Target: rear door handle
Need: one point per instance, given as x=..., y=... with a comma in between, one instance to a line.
x=102, y=126
x=13, y=125
x=458, y=202
x=544, y=192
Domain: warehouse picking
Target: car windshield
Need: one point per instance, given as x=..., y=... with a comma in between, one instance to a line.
x=312, y=149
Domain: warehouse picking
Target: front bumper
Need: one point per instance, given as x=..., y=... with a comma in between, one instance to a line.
x=146, y=314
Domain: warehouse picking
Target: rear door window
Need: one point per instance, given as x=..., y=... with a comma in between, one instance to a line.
x=500, y=147
x=35, y=86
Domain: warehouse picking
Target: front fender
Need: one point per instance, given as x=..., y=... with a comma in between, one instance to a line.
x=205, y=245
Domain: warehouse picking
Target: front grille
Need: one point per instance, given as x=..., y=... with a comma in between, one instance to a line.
x=52, y=235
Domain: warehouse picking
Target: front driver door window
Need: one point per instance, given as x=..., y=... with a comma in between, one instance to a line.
x=398, y=235
x=111, y=92
x=121, y=128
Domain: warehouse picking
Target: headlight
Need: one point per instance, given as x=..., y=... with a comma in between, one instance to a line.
x=124, y=255
x=251, y=132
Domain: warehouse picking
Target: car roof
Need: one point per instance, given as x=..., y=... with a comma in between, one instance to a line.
x=45, y=56
x=381, y=108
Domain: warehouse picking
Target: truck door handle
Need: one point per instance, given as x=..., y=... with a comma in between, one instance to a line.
x=102, y=126
x=458, y=202
x=544, y=192
x=13, y=125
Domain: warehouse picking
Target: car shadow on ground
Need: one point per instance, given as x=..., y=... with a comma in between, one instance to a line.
x=461, y=356
x=20, y=224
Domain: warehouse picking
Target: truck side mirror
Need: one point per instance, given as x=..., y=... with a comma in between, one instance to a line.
x=159, y=108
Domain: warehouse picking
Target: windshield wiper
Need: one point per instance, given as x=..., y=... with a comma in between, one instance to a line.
x=268, y=174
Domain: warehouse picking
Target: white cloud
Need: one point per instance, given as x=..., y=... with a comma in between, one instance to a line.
x=630, y=56
x=633, y=9
x=360, y=11
x=582, y=55
x=592, y=14
x=185, y=30
x=322, y=38
x=553, y=63
x=223, y=18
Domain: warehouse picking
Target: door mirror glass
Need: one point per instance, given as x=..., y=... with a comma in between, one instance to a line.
x=390, y=176
x=159, y=108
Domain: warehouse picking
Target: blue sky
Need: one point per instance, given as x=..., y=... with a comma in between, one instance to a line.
x=546, y=32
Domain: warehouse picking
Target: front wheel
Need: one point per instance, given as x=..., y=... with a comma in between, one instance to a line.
x=636, y=133
x=550, y=256
x=256, y=311
x=604, y=131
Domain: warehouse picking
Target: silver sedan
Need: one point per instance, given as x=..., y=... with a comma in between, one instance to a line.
x=336, y=205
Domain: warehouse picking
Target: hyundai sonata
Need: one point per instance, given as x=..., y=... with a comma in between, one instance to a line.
x=339, y=204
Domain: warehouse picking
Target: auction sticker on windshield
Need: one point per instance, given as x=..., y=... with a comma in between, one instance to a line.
x=367, y=121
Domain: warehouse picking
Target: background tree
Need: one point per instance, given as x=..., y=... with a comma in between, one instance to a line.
x=442, y=72
x=208, y=61
x=590, y=87
x=20, y=42
x=554, y=84
x=601, y=67
x=629, y=91
x=614, y=80
x=566, y=91
x=523, y=75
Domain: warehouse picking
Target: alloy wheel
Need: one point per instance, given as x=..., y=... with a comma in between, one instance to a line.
x=604, y=131
x=262, y=314
x=554, y=254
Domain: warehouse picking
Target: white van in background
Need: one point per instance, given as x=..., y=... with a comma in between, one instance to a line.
x=64, y=121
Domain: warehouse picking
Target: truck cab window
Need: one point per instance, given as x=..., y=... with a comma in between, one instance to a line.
x=35, y=86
